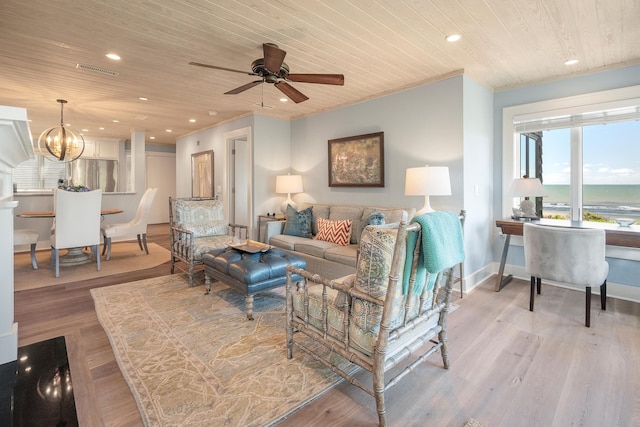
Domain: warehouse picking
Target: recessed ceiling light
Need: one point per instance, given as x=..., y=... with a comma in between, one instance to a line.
x=213, y=113
x=101, y=128
x=85, y=130
x=192, y=120
x=453, y=38
x=152, y=137
x=113, y=56
x=169, y=130
x=142, y=98
x=116, y=121
x=571, y=62
x=284, y=99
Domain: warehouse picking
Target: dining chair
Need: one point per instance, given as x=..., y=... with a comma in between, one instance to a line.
x=77, y=224
x=137, y=226
x=26, y=236
x=566, y=255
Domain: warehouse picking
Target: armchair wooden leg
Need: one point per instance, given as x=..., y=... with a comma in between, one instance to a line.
x=104, y=244
x=587, y=321
x=539, y=284
x=603, y=296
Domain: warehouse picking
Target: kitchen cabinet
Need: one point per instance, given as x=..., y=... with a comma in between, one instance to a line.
x=101, y=150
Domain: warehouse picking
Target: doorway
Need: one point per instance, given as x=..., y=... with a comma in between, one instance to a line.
x=239, y=179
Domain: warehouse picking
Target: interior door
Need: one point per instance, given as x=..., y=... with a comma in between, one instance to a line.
x=239, y=178
x=161, y=174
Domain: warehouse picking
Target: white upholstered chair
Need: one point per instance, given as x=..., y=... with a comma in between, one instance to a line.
x=136, y=227
x=25, y=236
x=566, y=255
x=77, y=223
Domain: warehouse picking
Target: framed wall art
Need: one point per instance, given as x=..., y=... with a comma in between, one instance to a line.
x=202, y=174
x=357, y=161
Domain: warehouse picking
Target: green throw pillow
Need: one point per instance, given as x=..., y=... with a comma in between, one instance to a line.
x=298, y=223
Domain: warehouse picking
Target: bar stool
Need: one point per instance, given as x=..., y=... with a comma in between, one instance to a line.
x=27, y=236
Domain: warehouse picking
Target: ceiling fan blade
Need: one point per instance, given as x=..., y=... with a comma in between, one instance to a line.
x=325, y=79
x=273, y=57
x=221, y=68
x=243, y=88
x=292, y=93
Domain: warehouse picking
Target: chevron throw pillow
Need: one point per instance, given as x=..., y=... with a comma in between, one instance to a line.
x=338, y=232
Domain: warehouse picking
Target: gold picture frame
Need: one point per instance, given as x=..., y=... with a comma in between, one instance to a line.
x=357, y=161
x=202, y=174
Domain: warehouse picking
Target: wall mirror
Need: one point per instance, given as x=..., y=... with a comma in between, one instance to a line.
x=202, y=174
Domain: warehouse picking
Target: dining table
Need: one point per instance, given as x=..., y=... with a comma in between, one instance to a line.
x=73, y=256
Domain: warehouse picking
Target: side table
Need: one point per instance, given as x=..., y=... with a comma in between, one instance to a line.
x=265, y=219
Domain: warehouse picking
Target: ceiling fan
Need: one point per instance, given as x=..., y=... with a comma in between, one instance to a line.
x=273, y=69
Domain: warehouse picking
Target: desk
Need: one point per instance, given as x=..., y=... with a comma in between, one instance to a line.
x=615, y=236
x=74, y=255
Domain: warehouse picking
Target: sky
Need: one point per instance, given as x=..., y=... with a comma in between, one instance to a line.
x=611, y=154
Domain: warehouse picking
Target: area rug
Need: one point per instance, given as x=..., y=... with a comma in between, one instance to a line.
x=125, y=257
x=195, y=360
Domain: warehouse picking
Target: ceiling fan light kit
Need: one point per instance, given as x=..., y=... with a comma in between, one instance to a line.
x=272, y=69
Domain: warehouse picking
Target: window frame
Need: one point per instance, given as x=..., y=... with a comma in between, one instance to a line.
x=615, y=98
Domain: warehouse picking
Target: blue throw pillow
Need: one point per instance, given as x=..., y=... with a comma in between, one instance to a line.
x=374, y=218
x=298, y=223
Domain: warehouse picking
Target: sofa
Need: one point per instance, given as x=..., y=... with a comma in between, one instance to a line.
x=392, y=313
x=324, y=257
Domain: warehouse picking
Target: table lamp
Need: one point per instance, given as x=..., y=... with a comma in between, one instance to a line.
x=288, y=184
x=427, y=181
x=527, y=187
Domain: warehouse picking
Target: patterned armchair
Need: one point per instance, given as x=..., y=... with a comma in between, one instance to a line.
x=197, y=226
x=395, y=303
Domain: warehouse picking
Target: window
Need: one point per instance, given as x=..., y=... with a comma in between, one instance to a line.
x=39, y=174
x=586, y=153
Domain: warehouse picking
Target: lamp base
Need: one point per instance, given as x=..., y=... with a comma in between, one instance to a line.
x=426, y=208
x=283, y=205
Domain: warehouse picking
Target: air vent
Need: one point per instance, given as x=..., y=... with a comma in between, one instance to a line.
x=95, y=69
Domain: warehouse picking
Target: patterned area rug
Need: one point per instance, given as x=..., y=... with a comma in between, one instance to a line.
x=195, y=360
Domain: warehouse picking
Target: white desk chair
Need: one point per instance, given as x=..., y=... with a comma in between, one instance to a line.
x=27, y=236
x=137, y=226
x=77, y=223
x=566, y=255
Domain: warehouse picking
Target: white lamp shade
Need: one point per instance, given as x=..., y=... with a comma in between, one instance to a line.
x=287, y=184
x=527, y=187
x=427, y=181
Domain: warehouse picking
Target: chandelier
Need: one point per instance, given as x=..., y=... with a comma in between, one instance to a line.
x=59, y=142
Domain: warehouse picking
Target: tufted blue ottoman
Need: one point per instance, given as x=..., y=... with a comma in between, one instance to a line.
x=250, y=273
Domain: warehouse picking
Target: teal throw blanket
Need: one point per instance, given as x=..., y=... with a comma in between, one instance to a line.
x=442, y=247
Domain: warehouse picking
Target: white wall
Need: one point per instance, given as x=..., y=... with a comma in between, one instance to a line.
x=421, y=126
x=478, y=178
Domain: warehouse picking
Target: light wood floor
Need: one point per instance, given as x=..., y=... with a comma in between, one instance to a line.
x=509, y=367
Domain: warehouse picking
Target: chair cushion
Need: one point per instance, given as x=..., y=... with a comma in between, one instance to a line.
x=298, y=223
x=207, y=228
x=25, y=236
x=372, y=276
x=338, y=232
x=203, y=245
x=194, y=211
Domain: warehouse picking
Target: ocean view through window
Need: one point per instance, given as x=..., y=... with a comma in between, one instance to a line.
x=590, y=172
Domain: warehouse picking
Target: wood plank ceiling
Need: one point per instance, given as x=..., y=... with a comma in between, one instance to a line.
x=381, y=46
